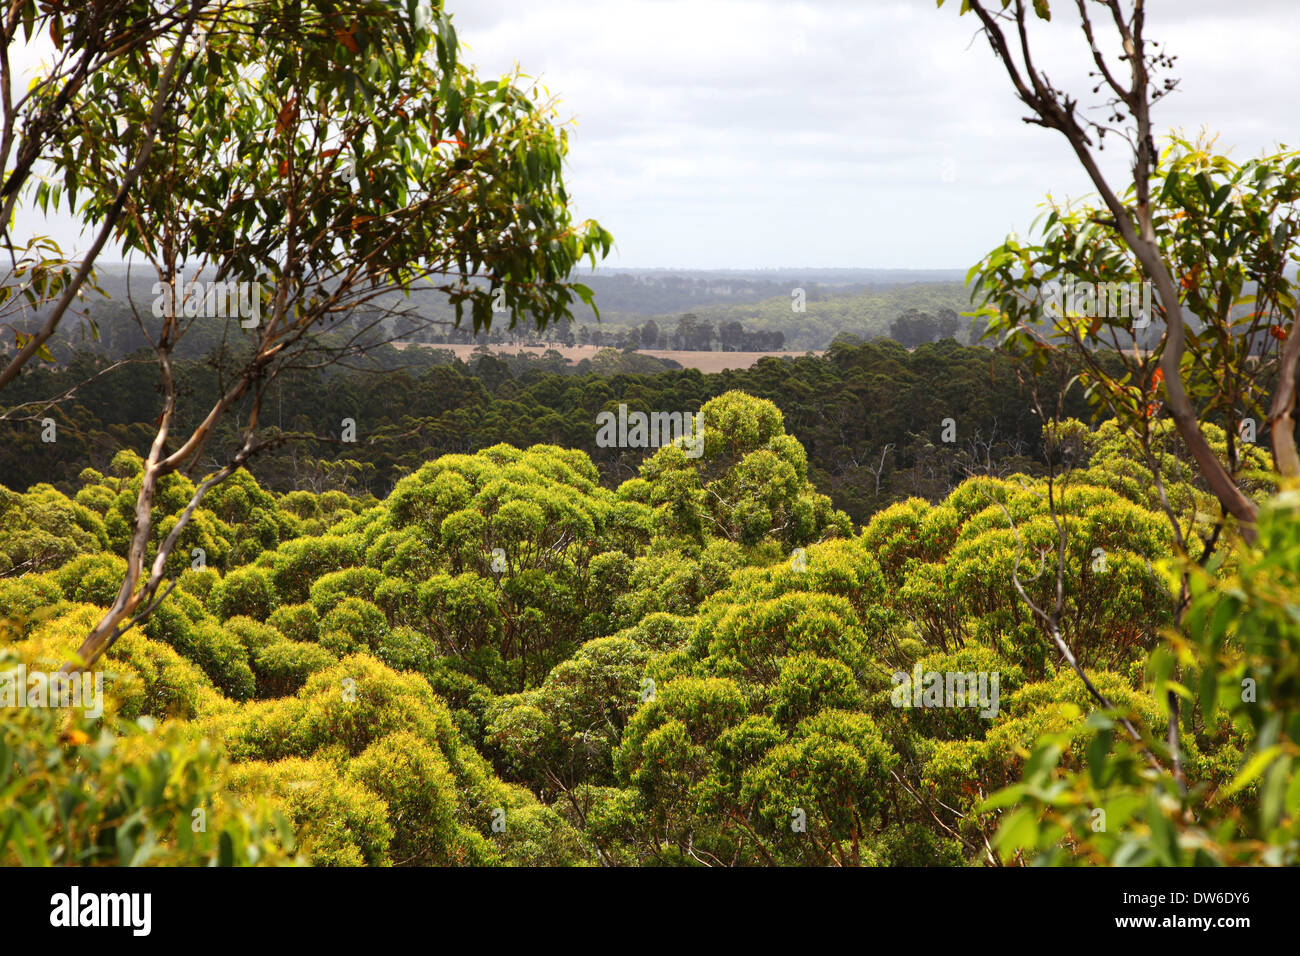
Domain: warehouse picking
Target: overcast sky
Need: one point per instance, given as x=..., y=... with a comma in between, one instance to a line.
x=875, y=133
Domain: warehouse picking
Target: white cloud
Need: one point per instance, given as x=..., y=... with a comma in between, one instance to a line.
x=724, y=133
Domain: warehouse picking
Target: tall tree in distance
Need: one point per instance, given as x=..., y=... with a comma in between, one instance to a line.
x=650, y=335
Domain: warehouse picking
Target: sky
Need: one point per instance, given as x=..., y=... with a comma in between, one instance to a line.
x=749, y=134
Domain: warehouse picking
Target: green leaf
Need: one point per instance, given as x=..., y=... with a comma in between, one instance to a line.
x=1018, y=831
x=1253, y=768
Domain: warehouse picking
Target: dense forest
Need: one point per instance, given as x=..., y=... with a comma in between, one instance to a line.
x=624, y=675
x=1000, y=577
x=479, y=616
x=870, y=417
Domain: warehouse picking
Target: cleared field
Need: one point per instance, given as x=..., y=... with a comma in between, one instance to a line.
x=704, y=361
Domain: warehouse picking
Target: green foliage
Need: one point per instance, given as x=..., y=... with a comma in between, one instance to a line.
x=1239, y=641
x=419, y=790
x=282, y=668
x=506, y=663
x=25, y=601
x=43, y=529
x=74, y=793
x=245, y=592
x=298, y=622
x=750, y=483
x=1226, y=230
x=223, y=658
x=339, y=822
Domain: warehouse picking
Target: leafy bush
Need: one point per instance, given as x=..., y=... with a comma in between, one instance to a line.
x=122, y=794
x=244, y=591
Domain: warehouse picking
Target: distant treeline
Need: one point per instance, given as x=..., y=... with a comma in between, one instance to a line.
x=872, y=416
x=813, y=322
x=696, y=313
x=689, y=333
x=690, y=312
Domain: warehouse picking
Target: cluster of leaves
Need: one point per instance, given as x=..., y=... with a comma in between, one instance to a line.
x=1228, y=231
x=80, y=792
x=1094, y=799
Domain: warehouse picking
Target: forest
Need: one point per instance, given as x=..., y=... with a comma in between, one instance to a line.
x=869, y=417
x=638, y=310
x=985, y=583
